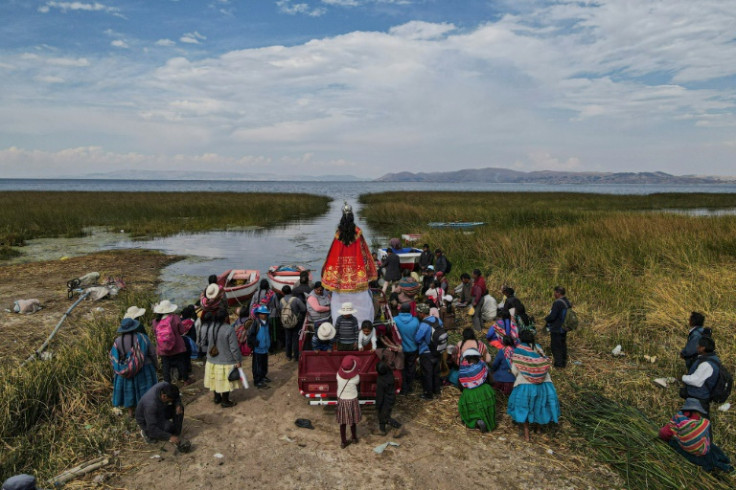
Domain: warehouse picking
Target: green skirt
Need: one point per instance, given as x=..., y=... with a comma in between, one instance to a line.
x=478, y=404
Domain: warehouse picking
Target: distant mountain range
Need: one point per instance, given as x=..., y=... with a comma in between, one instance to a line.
x=507, y=176
x=167, y=175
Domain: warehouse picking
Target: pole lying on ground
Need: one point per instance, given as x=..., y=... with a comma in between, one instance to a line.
x=54, y=331
x=80, y=470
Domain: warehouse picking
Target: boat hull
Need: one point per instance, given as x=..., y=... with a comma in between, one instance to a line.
x=278, y=279
x=408, y=257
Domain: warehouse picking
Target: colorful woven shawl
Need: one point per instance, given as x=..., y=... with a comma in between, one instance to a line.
x=472, y=375
x=692, y=435
x=530, y=363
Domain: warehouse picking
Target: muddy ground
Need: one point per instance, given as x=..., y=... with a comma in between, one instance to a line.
x=46, y=281
x=259, y=443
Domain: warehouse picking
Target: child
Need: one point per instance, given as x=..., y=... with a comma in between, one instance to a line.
x=346, y=326
x=385, y=397
x=259, y=339
x=503, y=379
x=367, y=336
x=348, y=406
x=534, y=398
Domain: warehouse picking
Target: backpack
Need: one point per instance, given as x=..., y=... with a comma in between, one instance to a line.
x=724, y=383
x=133, y=362
x=165, y=337
x=289, y=319
x=570, y=320
x=252, y=339
x=438, y=340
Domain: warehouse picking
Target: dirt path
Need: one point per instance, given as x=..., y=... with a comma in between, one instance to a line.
x=262, y=448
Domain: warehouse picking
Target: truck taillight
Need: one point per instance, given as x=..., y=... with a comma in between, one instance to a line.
x=318, y=387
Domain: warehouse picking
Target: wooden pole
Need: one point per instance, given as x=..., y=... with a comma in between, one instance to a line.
x=80, y=470
x=53, y=332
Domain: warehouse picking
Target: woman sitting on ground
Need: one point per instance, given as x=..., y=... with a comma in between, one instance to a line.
x=534, y=398
x=689, y=434
x=503, y=379
x=477, y=404
x=223, y=354
x=469, y=342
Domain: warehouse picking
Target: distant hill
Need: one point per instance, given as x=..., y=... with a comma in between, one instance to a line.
x=164, y=175
x=507, y=176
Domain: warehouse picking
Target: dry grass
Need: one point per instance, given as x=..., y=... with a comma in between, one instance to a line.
x=633, y=277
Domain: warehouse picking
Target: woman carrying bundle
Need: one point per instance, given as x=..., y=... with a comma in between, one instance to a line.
x=477, y=404
x=134, y=364
x=534, y=398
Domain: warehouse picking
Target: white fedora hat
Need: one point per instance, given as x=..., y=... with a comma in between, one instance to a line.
x=326, y=331
x=164, y=307
x=212, y=291
x=347, y=309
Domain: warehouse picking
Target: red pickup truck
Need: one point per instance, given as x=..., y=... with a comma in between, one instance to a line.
x=318, y=369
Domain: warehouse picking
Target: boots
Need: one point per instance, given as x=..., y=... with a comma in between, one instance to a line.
x=226, y=402
x=218, y=398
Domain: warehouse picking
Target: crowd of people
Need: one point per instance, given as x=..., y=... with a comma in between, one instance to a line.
x=499, y=353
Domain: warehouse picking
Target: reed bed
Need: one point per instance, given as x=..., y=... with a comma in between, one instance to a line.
x=25, y=214
x=633, y=274
x=57, y=413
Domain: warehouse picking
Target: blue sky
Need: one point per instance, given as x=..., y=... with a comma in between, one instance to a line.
x=366, y=87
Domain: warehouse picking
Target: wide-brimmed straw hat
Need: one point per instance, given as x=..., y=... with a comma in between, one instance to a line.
x=165, y=307
x=693, y=405
x=212, y=291
x=423, y=308
x=347, y=309
x=128, y=325
x=134, y=312
x=348, y=368
x=326, y=332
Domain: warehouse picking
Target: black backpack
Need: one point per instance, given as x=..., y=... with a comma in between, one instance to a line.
x=252, y=339
x=438, y=341
x=724, y=383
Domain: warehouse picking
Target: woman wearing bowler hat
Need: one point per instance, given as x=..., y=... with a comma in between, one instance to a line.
x=348, y=406
x=132, y=380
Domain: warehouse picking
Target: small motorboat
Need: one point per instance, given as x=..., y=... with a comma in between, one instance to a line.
x=407, y=256
x=285, y=275
x=239, y=285
x=455, y=224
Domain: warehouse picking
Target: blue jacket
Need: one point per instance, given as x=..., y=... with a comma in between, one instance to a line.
x=408, y=326
x=501, y=369
x=264, y=339
x=690, y=351
x=424, y=334
x=557, y=315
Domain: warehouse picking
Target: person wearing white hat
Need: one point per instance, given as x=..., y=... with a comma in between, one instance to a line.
x=347, y=329
x=134, y=312
x=170, y=346
x=325, y=337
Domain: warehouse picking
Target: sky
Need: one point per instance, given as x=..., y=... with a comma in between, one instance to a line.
x=366, y=87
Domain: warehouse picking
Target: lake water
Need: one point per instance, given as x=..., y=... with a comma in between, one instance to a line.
x=304, y=241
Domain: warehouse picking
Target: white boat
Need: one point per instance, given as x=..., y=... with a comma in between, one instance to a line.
x=285, y=275
x=239, y=285
x=408, y=256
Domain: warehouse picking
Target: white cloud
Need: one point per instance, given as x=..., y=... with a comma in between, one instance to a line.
x=119, y=43
x=293, y=8
x=630, y=85
x=165, y=42
x=78, y=6
x=19, y=162
x=192, y=38
x=49, y=79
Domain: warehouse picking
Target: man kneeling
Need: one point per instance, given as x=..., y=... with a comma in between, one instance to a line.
x=160, y=415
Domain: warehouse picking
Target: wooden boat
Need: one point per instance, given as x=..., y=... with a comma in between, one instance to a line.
x=455, y=224
x=407, y=256
x=239, y=285
x=285, y=275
